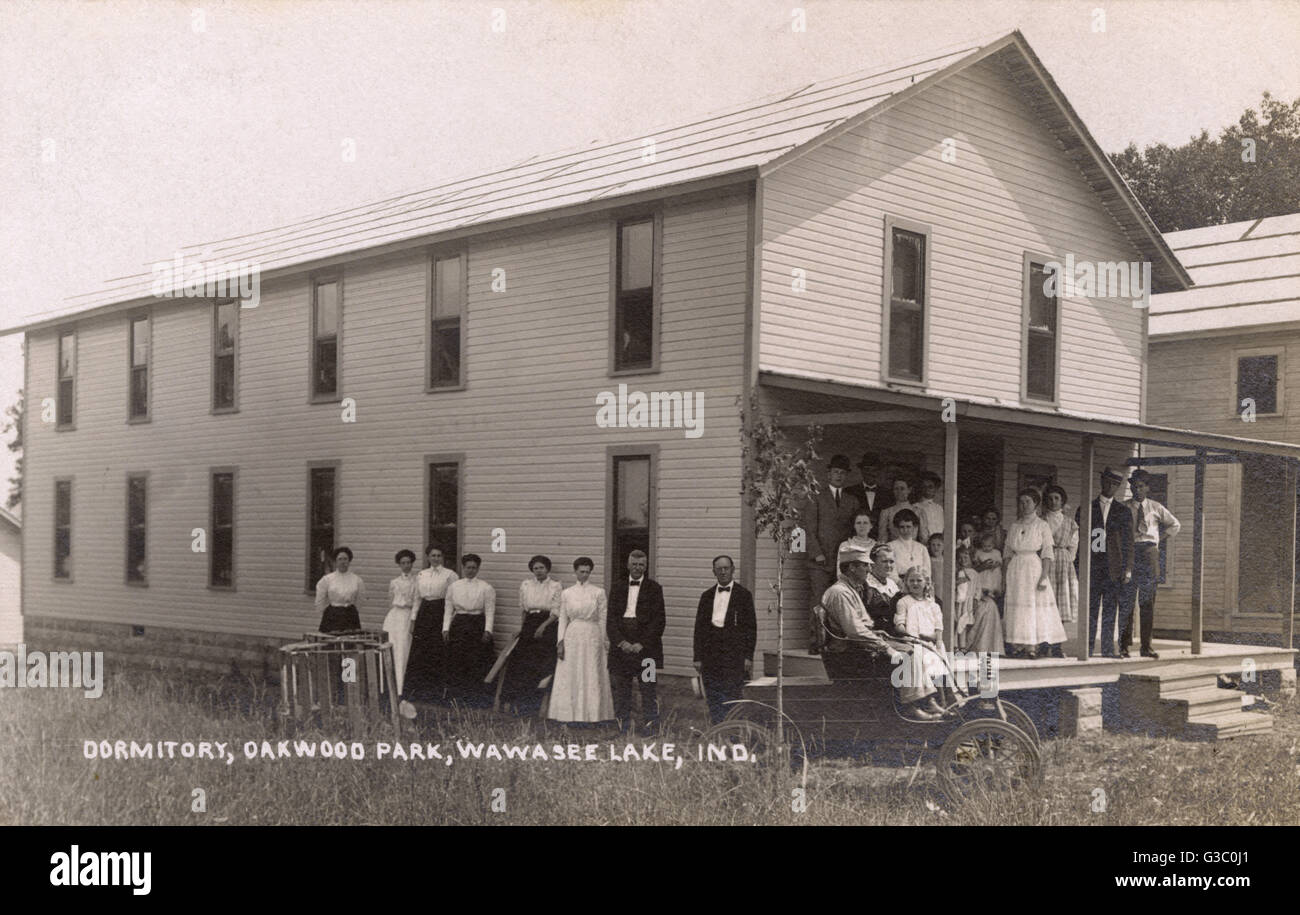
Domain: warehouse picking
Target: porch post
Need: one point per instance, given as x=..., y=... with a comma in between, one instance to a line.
x=1288, y=615
x=1085, y=550
x=948, y=587
x=1198, y=550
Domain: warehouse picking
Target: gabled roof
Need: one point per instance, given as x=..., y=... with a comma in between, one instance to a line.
x=1247, y=276
x=737, y=144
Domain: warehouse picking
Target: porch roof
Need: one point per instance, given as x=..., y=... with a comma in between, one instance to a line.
x=989, y=410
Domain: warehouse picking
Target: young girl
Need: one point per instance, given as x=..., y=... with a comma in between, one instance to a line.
x=917, y=614
x=988, y=566
x=965, y=596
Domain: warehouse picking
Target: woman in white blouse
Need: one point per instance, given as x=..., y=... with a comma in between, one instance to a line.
x=1030, y=620
x=581, y=691
x=533, y=657
x=338, y=594
x=397, y=624
x=425, y=667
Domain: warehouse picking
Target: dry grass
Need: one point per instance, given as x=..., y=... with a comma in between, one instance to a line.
x=45, y=779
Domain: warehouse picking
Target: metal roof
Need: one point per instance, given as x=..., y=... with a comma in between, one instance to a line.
x=1247, y=274
x=735, y=142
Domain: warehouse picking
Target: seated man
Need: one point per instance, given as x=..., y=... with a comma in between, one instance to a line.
x=846, y=612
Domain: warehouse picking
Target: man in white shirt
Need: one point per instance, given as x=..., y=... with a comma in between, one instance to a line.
x=467, y=630
x=725, y=634
x=1152, y=522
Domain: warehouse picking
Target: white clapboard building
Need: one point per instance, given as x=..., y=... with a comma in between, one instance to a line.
x=866, y=252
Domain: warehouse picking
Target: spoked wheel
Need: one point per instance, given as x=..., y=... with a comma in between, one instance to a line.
x=753, y=724
x=1020, y=718
x=986, y=756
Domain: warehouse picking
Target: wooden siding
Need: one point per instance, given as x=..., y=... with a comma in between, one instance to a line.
x=11, y=553
x=534, y=459
x=1011, y=189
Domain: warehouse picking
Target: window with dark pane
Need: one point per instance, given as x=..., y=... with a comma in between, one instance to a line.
x=448, y=308
x=1040, y=348
x=1257, y=378
x=139, y=368
x=136, y=534
x=222, y=563
x=322, y=510
x=634, y=307
x=63, y=529
x=226, y=316
x=67, y=377
x=325, y=351
x=907, y=304
x=444, y=512
x=632, y=509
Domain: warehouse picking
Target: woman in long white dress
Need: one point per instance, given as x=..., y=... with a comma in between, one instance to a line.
x=402, y=592
x=1030, y=619
x=580, y=690
x=1065, y=537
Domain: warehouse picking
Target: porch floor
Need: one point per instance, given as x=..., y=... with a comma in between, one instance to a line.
x=1046, y=673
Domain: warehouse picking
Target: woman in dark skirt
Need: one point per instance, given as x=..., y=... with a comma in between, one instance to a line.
x=533, y=657
x=338, y=594
x=425, y=675
x=467, y=631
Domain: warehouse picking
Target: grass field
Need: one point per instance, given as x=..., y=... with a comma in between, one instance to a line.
x=45, y=778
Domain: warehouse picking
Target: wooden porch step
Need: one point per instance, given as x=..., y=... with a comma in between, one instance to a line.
x=1203, y=700
x=798, y=663
x=1172, y=676
x=1222, y=725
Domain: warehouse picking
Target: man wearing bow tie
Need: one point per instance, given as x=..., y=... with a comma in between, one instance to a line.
x=635, y=626
x=1110, y=538
x=725, y=633
x=870, y=493
x=1151, y=523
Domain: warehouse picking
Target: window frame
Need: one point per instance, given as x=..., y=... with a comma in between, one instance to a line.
x=54, y=564
x=143, y=581
x=212, y=524
x=461, y=253
x=147, y=416
x=655, y=217
x=213, y=409
x=324, y=278
x=60, y=333
x=431, y=460
x=613, y=453
x=1234, y=369
x=337, y=467
x=1030, y=258
x=887, y=375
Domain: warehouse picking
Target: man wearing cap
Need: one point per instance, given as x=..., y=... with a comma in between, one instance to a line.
x=828, y=521
x=870, y=493
x=1112, y=559
x=847, y=617
x=725, y=633
x=1152, y=522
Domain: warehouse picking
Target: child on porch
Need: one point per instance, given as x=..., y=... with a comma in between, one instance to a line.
x=919, y=615
x=988, y=567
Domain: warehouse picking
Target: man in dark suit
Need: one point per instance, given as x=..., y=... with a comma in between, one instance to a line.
x=635, y=626
x=1112, y=567
x=828, y=522
x=870, y=493
x=726, y=630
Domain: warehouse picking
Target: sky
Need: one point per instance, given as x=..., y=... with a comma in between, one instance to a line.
x=131, y=129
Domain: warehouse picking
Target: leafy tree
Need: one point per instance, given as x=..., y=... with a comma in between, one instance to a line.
x=778, y=480
x=1251, y=171
x=14, y=424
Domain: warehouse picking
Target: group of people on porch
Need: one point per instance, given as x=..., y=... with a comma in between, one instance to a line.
x=584, y=649
x=1015, y=586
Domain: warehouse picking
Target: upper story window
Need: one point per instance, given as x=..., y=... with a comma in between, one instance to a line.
x=906, y=292
x=140, y=345
x=225, y=363
x=327, y=314
x=67, y=378
x=447, y=313
x=636, y=260
x=1040, y=350
x=1257, y=380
